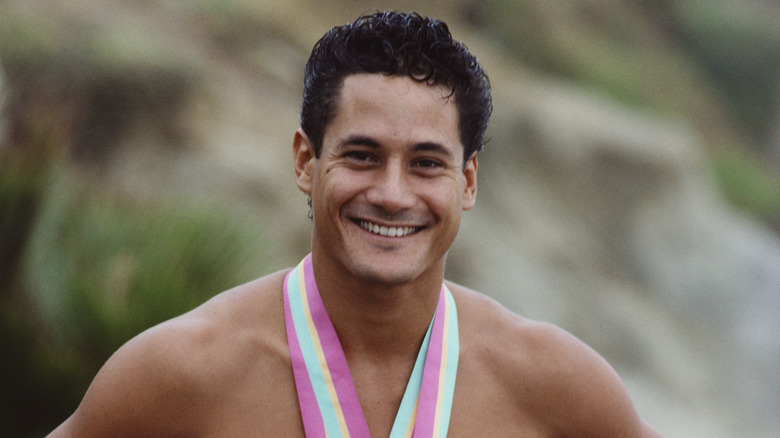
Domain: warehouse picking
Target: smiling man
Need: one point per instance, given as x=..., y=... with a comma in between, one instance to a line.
x=365, y=337
x=389, y=183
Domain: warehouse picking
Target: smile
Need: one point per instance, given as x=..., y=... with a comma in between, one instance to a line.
x=388, y=231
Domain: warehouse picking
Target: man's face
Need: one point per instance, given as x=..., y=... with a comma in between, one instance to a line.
x=389, y=186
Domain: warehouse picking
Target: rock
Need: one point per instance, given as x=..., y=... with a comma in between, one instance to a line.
x=605, y=221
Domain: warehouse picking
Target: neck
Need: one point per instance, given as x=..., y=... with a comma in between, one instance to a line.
x=374, y=319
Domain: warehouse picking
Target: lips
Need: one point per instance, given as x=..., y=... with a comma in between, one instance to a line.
x=385, y=231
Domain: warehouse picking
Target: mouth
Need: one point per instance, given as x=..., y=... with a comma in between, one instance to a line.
x=386, y=231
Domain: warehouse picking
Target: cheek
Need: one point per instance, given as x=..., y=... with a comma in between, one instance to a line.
x=337, y=187
x=446, y=200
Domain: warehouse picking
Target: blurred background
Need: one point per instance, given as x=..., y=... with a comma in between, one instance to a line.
x=630, y=191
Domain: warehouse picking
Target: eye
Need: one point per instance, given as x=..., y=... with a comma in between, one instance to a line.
x=359, y=157
x=356, y=155
x=428, y=164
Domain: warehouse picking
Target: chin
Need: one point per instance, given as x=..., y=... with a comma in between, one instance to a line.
x=393, y=270
x=384, y=274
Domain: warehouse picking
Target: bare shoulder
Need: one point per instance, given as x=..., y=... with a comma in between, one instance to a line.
x=163, y=381
x=555, y=378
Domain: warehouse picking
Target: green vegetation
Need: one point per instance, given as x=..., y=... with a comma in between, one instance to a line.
x=749, y=185
x=738, y=44
x=714, y=63
x=93, y=269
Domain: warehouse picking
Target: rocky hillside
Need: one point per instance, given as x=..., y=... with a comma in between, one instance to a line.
x=628, y=192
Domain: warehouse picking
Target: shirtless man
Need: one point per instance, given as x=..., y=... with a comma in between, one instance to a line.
x=394, y=113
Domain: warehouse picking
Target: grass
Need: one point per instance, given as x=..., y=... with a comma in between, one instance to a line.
x=749, y=185
x=93, y=269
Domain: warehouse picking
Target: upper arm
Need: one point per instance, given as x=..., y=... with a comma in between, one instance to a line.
x=111, y=401
x=585, y=394
x=134, y=393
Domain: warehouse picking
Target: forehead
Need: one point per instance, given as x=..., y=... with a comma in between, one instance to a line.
x=394, y=109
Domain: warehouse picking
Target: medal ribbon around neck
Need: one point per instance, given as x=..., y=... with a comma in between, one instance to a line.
x=326, y=393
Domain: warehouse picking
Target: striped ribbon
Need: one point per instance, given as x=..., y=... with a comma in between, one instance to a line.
x=326, y=393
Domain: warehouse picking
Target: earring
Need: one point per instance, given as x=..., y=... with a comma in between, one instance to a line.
x=311, y=214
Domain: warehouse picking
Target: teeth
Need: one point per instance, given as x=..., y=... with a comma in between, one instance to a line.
x=387, y=231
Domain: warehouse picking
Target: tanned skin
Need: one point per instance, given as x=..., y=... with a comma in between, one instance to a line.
x=390, y=157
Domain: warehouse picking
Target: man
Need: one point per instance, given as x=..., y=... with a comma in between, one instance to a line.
x=365, y=336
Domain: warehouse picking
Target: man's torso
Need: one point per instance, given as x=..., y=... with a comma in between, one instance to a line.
x=246, y=384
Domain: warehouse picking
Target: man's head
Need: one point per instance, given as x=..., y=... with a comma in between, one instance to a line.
x=395, y=44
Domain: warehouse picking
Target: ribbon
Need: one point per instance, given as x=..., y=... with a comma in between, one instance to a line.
x=329, y=403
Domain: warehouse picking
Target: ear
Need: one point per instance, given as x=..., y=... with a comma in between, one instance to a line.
x=303, y=157
x=470, y=187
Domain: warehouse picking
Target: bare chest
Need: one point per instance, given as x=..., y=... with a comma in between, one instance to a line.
x=268, y=406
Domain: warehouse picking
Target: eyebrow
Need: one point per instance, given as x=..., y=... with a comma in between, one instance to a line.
x=432, y=147
x=427, y=146
x=361, y=140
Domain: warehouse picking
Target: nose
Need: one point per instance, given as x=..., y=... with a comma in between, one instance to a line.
x=391, y=190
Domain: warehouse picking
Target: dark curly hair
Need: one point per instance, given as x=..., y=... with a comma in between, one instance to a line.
x=395, y=43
